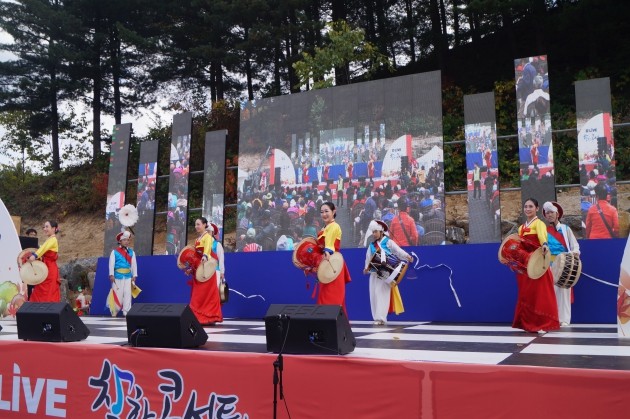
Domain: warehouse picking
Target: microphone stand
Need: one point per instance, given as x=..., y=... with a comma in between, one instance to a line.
x=278, y=367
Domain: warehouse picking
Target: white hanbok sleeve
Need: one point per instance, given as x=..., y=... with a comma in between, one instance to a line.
x=221, y=256
x=368, y=258
x=397, y=250
x=134, y=266
x=573, y=244
x=112, y=262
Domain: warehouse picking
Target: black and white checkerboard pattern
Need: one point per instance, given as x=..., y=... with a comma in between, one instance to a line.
x=593, y=346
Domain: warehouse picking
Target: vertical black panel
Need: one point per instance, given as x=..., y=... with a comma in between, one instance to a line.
x=596, y=154
x=117, y=184
x=484, y=207
x=177, y=212
x=147, y=182
x=534, y=129
x=214, y=178
x=425, y=126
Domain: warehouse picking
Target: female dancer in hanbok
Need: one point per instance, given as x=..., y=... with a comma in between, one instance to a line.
x=204, y=297
x=536, y=307
x=384, y=294
x=48, y=291
x=329, y=238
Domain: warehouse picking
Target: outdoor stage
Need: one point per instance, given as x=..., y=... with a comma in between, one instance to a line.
x=402, y=370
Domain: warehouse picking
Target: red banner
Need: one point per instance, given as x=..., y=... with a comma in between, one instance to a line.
x=78, y=380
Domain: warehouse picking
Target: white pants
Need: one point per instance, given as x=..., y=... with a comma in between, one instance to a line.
x=380, y=294
x=563, y=297
x=122, y=288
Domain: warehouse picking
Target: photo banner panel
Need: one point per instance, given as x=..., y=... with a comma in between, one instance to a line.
x=360, y=146
x=534, y=129
x=117, y=184
x=147, y=182
x=482, y=168
x=214, y=178
x=177, y=213
x=426, y=157
x=596, y=154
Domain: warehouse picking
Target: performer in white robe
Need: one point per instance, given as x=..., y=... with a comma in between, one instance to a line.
x=213, y=229
x=384, y=294
x=552, y=211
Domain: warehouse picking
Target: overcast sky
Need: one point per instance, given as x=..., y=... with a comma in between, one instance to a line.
x=140, y=123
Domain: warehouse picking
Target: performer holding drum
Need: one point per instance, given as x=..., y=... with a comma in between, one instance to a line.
x=536, y=307
x=329, y=238
x=384, y=293
x=565, y=253
x=48, y=290
x=204, y=297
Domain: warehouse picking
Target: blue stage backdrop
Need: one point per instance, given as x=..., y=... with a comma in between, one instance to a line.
x=486, y=289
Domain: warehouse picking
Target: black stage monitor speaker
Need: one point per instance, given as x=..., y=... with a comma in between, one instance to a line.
x=308, y=329
x=50, y=322
x=27, y=242
x=164, y=326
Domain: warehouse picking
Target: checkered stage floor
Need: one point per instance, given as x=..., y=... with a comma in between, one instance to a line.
x=594, y=346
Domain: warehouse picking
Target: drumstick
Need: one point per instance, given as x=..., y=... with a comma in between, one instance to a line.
x=331, y=265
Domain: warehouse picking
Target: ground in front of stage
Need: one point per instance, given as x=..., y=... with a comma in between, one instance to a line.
x=589, y=346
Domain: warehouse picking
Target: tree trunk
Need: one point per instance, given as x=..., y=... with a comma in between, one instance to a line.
x=115, y=59
x=370, y=27
x=436, y=32
x=277, y=83
x=248, y=67
x=54, y=120
x=508, y=27
x=97, y=80
x=456, y=28
x=213, y=83
x=292, y=52
x=96, y=111
x=539, y=8
x=411, y=30
x=473, y=19
x=443, y=35
x=314, y=37
x=382, y=36
x=219, y=80
x=339, y=12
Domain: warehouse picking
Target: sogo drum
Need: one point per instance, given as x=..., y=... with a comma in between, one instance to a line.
x=523, y=256
x=309, y=256
x=393, y=267
x=32, y=272
x=189, y=260
x=566, y=270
